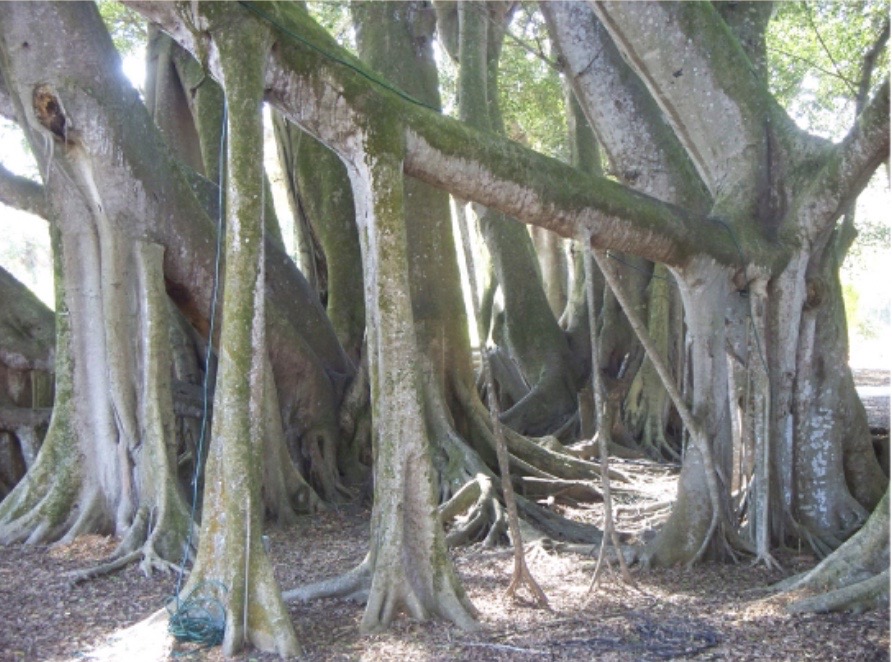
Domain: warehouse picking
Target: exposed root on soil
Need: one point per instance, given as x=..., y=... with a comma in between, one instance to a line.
x=854, y=577
x=41, y=507
x=353, y=585
x=555, y=464
x=766, y=559
x=149, y=562
x=858, y=597
x=475, y=514
x=560, y=491
x=143, y=543
x=463, y=463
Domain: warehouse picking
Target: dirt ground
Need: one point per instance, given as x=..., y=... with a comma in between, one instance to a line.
x=714, y=612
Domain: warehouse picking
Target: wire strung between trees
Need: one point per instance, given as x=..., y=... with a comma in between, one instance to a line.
x=377, y=80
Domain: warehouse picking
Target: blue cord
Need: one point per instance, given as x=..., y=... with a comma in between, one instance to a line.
x=198, y=619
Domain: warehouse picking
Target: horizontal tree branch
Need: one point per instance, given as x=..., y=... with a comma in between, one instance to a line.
x=13, y=418
x=330, y=94
x=22, y=193
x=848, y=169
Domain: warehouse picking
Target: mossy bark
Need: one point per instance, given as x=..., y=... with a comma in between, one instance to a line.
x=40, y=508
x=410, y=566
x=319, y=191
x=27, y=348
x=754, y=182
x=310, y=366
x=108, y=433
x=230, y=549
x=532, y=336
x=749, y=190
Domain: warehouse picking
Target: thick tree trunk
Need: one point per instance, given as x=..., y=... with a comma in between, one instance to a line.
x=230, y=549
x=105, y=482
x=838, y=479
x=855, y=577
x=39, y=508
x=772, y=186
x=319, y=191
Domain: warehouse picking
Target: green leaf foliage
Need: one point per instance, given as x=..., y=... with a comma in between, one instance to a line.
x=816, y=55
x=530, y=91
x=127, y=28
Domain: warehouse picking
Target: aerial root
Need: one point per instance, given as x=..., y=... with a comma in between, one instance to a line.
x=522, y=577
x=768, y=560
x=731, y=542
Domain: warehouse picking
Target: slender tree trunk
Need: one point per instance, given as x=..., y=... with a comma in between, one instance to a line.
x=532, y=336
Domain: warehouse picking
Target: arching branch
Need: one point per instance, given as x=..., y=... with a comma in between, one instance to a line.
x=848, y=169
x=325, y=90
x=22, y=193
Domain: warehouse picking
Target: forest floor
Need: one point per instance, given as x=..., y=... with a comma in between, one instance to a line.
x=713, y=612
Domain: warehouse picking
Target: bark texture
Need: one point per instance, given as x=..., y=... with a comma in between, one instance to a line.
x=230, y=549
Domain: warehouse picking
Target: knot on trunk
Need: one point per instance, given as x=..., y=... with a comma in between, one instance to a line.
x=815, y=292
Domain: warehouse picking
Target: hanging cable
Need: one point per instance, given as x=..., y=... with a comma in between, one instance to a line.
x=199, y=619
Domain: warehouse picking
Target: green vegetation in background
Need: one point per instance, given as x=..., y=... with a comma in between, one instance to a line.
x=127, y=28
x=815, y=56
x=530, y=91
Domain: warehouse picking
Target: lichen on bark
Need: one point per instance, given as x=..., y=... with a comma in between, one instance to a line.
x=230, y=549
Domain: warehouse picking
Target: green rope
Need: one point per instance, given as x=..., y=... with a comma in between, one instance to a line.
x=377, y=80
x=200, y=617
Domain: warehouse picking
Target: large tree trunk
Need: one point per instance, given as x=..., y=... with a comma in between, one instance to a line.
x=319, y=193
x=121, y=429
x=409, y=564
x=650, y=158
x=775, y=194
x=230, y=549
x=531, y=335
x=853, y=578
x=747, y=166
x=310, y=367
x=407, y=567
